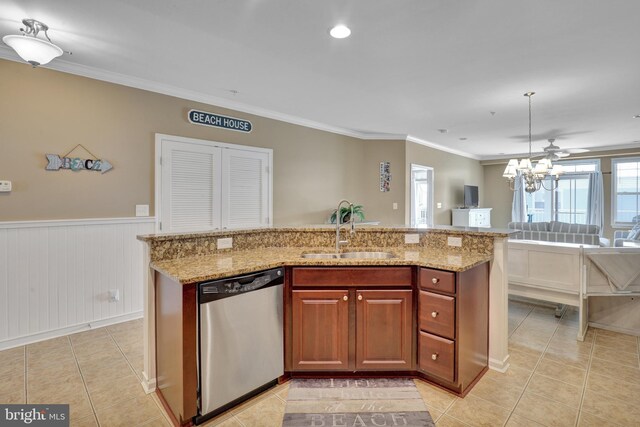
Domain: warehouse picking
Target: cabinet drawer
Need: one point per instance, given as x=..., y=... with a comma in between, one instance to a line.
x=437, y=356
x=363, y=276
x=437, y=314
x=443, y=281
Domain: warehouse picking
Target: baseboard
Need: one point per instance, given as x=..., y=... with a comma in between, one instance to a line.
x=55, y=333
x=499, y=365
x=627, y=331
x=149, y=385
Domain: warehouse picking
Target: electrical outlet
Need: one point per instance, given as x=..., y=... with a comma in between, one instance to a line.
x=411, y=239
x=142, y=210
x=395, y=206
x=454, y=241
x=439, y=205
x=226, y=243
x=5, y=186
x=114, y=295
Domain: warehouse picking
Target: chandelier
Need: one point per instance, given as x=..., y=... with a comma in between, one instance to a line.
x=36, y=51
x=522, y=172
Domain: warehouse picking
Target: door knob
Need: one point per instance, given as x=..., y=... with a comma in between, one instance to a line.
x=359, y=297
x=435, y=280
x=434, y=314
x=345, y=298
x=434, y=356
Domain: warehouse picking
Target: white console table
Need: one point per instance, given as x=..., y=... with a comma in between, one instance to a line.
x=472, y=217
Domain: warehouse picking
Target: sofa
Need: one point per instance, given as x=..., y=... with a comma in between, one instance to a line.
x=556, y=231
x=628, y=238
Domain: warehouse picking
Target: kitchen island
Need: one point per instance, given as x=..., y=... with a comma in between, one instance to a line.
x=452, y=257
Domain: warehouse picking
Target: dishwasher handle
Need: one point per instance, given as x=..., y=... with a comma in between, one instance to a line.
x=211, y=291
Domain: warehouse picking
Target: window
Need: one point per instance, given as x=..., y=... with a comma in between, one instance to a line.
x=421, y=196
x=569, y=201
x=204, y=185
x=626, y=190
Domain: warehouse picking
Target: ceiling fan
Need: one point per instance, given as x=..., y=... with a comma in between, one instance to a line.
x=554, y=153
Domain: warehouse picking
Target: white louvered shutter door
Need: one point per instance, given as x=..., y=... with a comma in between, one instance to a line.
x=245, y=188
x=191, y=183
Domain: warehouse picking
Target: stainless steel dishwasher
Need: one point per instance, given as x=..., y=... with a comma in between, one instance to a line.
x=241, y=350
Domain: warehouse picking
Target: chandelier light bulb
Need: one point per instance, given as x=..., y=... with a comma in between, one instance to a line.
x=340, y=32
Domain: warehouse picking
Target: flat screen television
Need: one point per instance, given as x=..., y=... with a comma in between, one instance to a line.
x=470, y=196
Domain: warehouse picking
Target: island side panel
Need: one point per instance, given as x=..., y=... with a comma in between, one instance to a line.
x=176, y=347
x=499, y=307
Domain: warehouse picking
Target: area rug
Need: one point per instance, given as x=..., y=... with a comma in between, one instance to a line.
x=355, y=403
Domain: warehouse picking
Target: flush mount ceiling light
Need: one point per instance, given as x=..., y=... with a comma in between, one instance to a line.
x=36, y=51
x=340, y=32
x=532, y=177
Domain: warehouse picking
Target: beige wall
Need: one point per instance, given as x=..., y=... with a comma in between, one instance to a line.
x=451, y=173
x=44, y=111
x=500, y=197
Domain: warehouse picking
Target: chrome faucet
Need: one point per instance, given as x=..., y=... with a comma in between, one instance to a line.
x=338, y=225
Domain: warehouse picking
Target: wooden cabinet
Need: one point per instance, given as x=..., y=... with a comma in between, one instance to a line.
x=351, y=319
x=453, y=312
x=320, y=338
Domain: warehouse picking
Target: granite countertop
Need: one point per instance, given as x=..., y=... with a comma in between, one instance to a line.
x=231, y=263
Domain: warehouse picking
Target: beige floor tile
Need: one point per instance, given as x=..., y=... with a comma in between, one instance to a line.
x=519, y=421
x=79, y=405
x=447, y=421
x=615, y=370
x=615, y=355
x=622, y=344
x=12, y=389
x=523, y=360
x=558, y=391
x=96, y=346
x=568, y=357
x=561, y=372
x=228, y=422
x=220, y=419
x=139, y=410
x=605, y=333
x=545, y=411
x=613, y=387
x=612, y=409
x=49, y=345
x=586, y=419
x=157, y=422
x=435, y=414
x=478, y=412
x=570, y=344
x=55, y=357
x=251, y=402
x=12, y=367
x=266, y=413
x=110, y=392
x=526, y=344
x=89, y=421
x=104, y=357
x=97, y=373
x=125, y=326
x=514, y=377
x=525, y=348
x=531, y=334
x=282, y=390
x=434, y=397
x=88, y=336
x=11, y=354
x=41, y=387
x=52, y=373
x=497, y=392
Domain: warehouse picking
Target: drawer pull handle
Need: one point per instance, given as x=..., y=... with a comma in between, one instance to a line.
x=434, y=314
x=434, y=356
x=359, y=297
x=345, y=298
x=435, y=280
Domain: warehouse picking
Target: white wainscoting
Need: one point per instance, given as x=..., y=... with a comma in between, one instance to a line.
x=55, y=276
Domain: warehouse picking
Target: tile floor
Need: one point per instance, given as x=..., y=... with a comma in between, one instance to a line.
x=554, y=380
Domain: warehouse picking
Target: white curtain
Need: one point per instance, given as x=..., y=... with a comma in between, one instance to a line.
x=519, y=206
x=595, y=205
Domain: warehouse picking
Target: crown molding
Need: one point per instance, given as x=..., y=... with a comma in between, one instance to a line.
x=494, y=160
x=426, y=143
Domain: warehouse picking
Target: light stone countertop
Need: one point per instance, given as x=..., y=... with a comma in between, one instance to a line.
x=196, y=269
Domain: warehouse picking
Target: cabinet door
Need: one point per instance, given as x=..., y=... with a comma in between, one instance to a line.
x=320, y=330
x=383, y=329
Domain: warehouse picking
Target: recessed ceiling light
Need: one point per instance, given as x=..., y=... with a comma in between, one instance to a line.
x=340, y=32
x=637, y=116
x=443, y=130
x=463, y=139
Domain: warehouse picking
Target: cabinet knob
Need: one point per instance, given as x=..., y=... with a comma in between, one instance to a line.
x=345, y=298
x=359, y=297
x=435, y=280
x=434, y=314
x=434, y=356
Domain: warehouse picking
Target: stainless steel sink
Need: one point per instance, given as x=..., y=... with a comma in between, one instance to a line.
x=368, y=255
x=350, y=255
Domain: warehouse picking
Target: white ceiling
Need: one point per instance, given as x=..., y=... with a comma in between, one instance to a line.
x=410, y=66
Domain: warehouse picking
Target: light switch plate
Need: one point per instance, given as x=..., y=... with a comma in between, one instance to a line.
x=395, y=206
x=5, y=186
x=142, y=210
x=439, y=205
x=411, y=239
x=226, y=243
x=454, y=241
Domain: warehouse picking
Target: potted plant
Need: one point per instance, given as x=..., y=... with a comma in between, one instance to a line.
x=345, y=214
